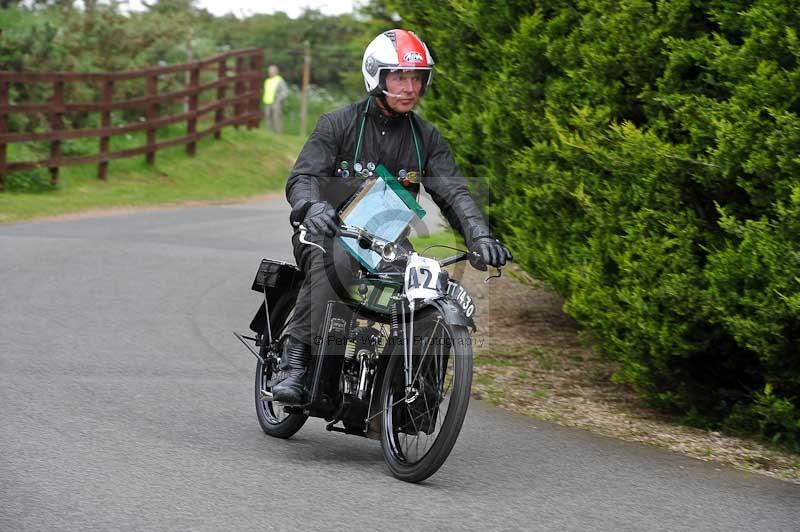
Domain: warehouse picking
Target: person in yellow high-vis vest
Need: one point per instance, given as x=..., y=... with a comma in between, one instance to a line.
x=275, y=91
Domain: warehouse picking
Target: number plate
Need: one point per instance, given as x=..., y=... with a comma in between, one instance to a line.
x=422, y=278
x=461, y=296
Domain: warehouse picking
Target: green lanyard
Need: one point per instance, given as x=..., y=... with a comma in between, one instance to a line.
x=361, y=136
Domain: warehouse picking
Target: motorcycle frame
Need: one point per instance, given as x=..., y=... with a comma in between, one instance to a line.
x=275, y=277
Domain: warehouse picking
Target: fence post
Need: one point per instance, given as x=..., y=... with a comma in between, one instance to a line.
x=56, y=124
x=191, y=124
x=152, y=115
x=219, y=115
x=257, y=72
x=304, y=98
x=3, y=130
x=239, y=92
x=105, y=122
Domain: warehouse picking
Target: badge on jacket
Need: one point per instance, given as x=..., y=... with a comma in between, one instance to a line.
x=408, y=177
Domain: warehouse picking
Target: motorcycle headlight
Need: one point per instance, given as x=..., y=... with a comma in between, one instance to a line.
x=389, y=252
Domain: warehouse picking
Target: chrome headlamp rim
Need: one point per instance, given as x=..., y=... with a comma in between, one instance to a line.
x=388, y=252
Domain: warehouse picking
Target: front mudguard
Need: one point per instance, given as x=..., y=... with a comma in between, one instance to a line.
x=450, y=310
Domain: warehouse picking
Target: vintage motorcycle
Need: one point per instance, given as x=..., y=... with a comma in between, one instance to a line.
x=394, y=362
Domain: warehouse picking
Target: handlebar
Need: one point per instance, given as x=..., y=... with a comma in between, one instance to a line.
x=456, y=258
x=366, y=240
x=386, y=249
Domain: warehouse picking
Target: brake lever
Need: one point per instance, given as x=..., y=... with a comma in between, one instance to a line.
x=303, y=233
x=498, y=275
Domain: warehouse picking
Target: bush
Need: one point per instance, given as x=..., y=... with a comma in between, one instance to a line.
x=30, y=181
x=642, y=158
x=778, y=417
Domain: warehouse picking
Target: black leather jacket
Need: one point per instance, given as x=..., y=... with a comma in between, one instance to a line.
x=388, y=141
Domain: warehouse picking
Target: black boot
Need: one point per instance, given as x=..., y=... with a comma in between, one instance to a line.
x=294, y=360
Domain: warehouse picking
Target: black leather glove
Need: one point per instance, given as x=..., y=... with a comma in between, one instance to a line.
x=490, y=252
x=321, y=218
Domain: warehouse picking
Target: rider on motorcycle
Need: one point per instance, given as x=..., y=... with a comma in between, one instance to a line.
x=397, y=69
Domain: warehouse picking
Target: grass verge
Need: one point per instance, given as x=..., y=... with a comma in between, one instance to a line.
x=431, y=245
x=243, y=163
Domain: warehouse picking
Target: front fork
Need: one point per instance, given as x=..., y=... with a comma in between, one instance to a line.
x=447, y=312
x=402, y=330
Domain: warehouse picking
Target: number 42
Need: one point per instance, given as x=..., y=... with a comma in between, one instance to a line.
x=413, y=278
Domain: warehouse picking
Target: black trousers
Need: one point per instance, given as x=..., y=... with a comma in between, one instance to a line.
x=328, y=276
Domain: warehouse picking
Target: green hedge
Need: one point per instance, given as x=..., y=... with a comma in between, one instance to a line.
x=642, y=157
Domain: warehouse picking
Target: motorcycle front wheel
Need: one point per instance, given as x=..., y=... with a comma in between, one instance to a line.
x=420, y=423
x=272, y=416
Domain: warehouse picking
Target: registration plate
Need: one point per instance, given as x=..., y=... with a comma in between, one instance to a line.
x=457, y=291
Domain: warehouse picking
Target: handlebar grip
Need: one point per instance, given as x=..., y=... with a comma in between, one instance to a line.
x=476, y=261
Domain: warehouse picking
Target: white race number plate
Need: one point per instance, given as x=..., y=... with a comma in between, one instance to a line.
x=422, y=278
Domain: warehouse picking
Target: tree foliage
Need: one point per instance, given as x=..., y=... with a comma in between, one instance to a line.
x=61, y=35
x=641, y=156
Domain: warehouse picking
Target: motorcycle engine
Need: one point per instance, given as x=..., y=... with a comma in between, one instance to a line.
x=360, y=358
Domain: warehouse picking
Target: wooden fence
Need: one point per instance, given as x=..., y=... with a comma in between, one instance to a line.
x=239, y=70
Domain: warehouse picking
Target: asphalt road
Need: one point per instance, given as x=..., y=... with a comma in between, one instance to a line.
x=126, y=404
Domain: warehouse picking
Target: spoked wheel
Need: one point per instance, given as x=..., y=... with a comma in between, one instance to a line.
x=272, y=417
x=420, y=424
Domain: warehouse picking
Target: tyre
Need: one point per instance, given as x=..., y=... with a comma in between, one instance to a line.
x=272, y=417
x=419, y=426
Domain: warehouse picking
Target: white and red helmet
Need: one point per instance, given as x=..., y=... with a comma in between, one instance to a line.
x=395, y=50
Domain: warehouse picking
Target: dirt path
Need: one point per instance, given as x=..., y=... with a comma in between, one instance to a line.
x=530, y=360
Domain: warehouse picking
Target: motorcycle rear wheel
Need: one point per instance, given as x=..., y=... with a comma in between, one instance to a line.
x=272, y=417
x=420, y=426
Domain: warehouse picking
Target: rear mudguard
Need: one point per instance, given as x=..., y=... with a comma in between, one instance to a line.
x=273, y=279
